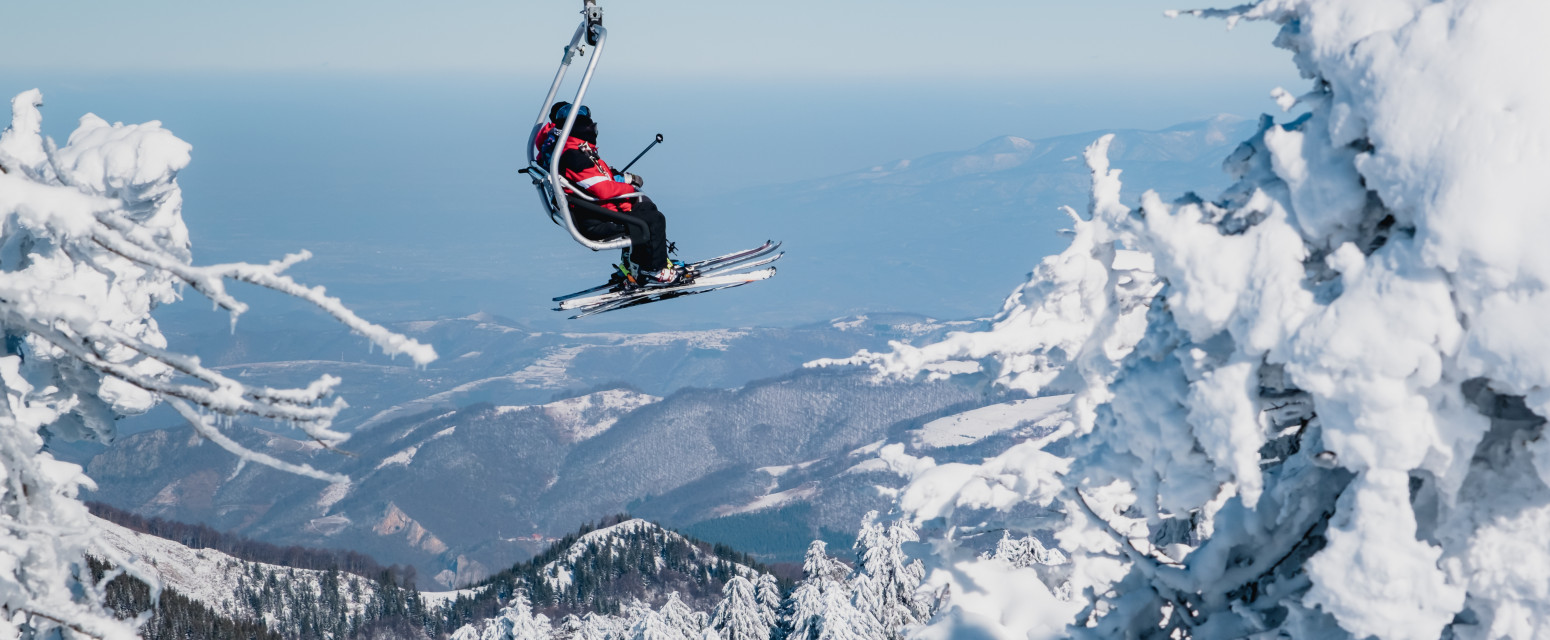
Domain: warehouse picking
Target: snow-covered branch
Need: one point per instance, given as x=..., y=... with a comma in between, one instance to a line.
x=92, y=240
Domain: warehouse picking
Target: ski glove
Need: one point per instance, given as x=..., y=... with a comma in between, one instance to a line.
x=632, y=179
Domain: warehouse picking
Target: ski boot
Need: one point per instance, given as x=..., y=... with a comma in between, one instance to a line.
x=676, y=272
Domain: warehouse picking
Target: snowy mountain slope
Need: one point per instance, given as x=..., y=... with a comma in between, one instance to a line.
x=781, y=421
x=587, y=416
x=223, y=583
x=617, y=564
x=973, y=426
x=560, y=574
x=773, y=512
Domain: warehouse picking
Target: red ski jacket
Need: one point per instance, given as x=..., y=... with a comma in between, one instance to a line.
x=581, y=164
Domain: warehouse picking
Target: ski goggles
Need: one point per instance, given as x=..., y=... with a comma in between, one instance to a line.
x=564, y=113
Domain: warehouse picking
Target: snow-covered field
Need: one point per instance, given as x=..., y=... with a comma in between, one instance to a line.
x=587, y=416
x=972, y=426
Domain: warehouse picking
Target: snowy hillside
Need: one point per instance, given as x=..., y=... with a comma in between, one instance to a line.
x=1319, y=412
x=220, y=581
x=670, y=559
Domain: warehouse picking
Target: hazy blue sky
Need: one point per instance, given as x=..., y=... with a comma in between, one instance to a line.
x=992, y=39
x=386, y=135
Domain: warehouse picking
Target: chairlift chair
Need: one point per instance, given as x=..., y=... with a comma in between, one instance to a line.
x=561, y=197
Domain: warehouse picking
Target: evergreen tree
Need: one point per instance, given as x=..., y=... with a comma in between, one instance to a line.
x=739, y=616
x=767, y=593
x=591, y=627
x=646, y=624
x=679, y=616
x=601, y=627
x=515, y=622
x=820, y=608
x=886, y=579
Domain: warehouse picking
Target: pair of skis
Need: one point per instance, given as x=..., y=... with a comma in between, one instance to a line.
x=704, y=276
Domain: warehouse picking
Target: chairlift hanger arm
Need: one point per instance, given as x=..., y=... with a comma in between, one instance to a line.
x=594, y=20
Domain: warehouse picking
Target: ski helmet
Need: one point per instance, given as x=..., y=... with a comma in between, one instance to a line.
x=561, y=111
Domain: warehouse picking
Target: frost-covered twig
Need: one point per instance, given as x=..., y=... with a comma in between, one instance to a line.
x=210, y=281
x=210, y=432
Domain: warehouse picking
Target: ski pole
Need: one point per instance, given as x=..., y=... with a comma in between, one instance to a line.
x=642, y=153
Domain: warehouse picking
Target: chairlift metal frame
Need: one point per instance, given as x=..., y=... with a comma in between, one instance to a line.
x=554, y=190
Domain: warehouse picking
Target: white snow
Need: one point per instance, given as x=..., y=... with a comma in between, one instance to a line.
x=777, y=471
x=972, y=426
x=772, y=500
x=434, y=599
x=331, y=495
x=716, y=339
x=849, y=325
x=868, y=449
x=587, y=416
x=403, y=457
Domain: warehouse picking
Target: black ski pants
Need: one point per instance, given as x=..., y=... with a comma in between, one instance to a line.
x=648, y=240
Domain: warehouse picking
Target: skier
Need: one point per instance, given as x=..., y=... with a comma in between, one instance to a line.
x=583, y=166
x=601, y=208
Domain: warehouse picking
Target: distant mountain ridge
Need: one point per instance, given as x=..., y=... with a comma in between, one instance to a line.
x=1191, y=144
x=458, y=489
x=950, y=233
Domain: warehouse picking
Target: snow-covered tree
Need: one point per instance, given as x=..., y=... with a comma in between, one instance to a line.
x=92, y=239
x=739, y=616
x=1028, y=552
x=677, y=615
x=767, y=594
x=592, y=626
x=645, y=623
x=820, y=607
x=886, y=579
x=516, y=621
x=1311, y=407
